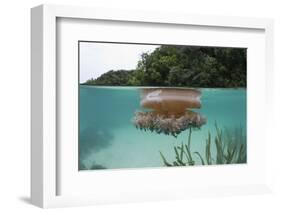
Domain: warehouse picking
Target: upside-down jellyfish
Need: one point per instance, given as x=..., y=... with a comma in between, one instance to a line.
x=171, y=112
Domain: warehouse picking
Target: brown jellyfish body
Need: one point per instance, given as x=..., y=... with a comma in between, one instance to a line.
x=171, y=112
x=170, y=100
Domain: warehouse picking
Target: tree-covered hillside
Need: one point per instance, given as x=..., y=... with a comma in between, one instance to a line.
x=112, y=78
x=188, y=66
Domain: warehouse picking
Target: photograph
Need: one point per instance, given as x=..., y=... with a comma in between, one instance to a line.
x=161, y=105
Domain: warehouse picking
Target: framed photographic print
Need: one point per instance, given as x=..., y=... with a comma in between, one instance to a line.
x=158, y=100
x=130, y=106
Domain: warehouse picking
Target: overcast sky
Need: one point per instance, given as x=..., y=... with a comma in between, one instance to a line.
x=98, y=58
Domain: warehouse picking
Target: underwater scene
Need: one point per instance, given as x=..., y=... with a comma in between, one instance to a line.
x=175, y=106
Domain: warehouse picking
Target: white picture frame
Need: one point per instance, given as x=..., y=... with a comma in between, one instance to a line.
x=45, y=168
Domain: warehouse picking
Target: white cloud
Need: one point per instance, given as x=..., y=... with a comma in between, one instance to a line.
x=98, y=58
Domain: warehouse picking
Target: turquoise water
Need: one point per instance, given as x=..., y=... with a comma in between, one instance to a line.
x=108, y=138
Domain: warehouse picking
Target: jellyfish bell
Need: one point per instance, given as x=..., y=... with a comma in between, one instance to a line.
x=171, y=112
x=170, y=100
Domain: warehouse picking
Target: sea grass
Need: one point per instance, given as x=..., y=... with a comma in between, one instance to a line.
x=230, y=149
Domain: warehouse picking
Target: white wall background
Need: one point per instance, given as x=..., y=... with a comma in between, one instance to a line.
x=15, y=104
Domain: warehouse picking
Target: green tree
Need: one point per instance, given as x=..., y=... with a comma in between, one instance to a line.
x=188, y=66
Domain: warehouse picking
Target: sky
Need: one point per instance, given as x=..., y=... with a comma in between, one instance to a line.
x=98, y=58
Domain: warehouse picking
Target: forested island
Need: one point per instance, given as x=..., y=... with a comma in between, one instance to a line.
x=182, y=66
